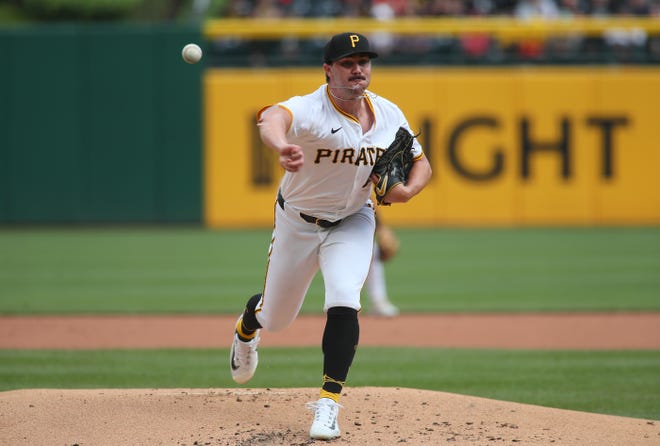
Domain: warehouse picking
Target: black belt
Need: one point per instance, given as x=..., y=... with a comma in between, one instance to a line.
x=309, y=218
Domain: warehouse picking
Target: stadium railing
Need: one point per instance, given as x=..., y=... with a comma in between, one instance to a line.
x=438, y=41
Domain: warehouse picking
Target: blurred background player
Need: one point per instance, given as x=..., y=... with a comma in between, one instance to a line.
x=386, y=245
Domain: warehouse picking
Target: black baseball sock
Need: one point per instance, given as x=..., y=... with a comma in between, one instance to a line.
x=340, y=341
x=248, y=324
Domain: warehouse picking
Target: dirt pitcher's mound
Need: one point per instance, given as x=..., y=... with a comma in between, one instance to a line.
x=382, y=416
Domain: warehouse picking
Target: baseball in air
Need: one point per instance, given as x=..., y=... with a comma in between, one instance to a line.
x=191, y=53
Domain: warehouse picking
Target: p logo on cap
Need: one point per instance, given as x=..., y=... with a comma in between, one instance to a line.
x=347, y=44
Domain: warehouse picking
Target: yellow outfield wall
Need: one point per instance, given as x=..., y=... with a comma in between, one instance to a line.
x=509, y=147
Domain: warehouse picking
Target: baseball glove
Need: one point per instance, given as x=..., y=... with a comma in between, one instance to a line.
x=394, y=165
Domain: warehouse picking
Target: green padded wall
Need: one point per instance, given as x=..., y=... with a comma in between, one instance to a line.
x=98, y=124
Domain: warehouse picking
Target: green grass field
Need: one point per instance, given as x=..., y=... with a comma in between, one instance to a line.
x=147, y=270
x=202, y=271
x=618, y=382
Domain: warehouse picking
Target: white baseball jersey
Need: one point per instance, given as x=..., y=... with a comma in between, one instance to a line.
x=333, y=184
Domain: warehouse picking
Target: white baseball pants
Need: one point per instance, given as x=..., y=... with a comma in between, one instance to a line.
x=299, y=248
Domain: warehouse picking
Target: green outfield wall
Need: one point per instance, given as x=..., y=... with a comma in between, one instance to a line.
x=99, y=123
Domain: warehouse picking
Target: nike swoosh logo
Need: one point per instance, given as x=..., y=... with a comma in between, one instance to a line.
x=233, y=363
x=381, y=190
x=333, y=131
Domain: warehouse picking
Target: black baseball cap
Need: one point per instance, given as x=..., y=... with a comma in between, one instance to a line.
x=347, y=44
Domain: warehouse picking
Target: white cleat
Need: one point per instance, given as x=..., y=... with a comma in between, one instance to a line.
x=383, y=309
x=325, y=425
x=243, y=359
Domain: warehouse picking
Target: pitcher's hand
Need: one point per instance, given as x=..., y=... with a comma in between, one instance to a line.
x=291, y=157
